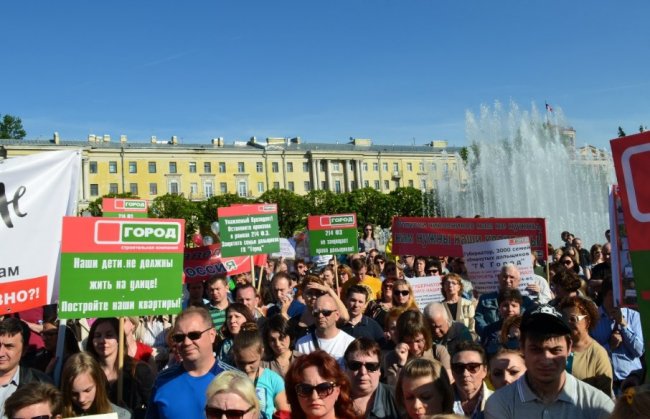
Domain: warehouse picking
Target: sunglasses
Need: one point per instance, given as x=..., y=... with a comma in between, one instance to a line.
x=180, y=337
x=356, y=366
x=325, y=313
x=459, y=367
x=215, y=413
x=323, y=389
x=314, y=293
x=403, y=293
x=575, y=319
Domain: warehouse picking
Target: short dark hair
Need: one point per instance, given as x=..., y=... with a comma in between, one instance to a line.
x=34, y=393
x=364, y=345
x=11, y=326
x=244, y=286
x=509, y=295
x=215, y=278
x=471, y=346
x=357, y=289
x=357, y=264
x=279, y=324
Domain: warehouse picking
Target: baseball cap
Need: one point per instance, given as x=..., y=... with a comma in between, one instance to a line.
x=544, y=320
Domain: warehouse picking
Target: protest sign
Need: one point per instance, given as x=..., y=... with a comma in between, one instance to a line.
x=287, y=250
x=115, y=267
x=36, y=191
x=124, y=208
x=623, y=289
x=426, y=289
x=248, y=229
x=446, y=236
x=484, y=261
x=332, y=234
x=201, y=263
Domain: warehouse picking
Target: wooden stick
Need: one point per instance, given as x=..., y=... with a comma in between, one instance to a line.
x=120, y=362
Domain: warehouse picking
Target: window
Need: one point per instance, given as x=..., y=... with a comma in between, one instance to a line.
x=259, y=167
x=94, y=189
x=112, y=167
x=276, y=185
x=323, y=185
x=375, y=167
x=207, y=167
x=395, y=167
x=411, y=183
x=337, y=186
x=275, y=167
x=112, y=188
x=242, y=188
x=421, y=168
x=445, y=168
x=323, y=165
x=153, y=189
x=433, y=167
x=409, y=167
x=260, y=187
x=222, y=167
x=307, y=186
x=172, y=167
x=423, y=184
x=208, y=189
x=133, y=188
x=353, y=185
x=377, y=184
x=291, y=186
x=194, y=189
x=384, y=167
x=366, y=184
x=386, y=184
x=352, y=165
x=173, y=188
x=223, y=187
x=365, y=167
x=305, y=167
x=192, y=167
x=133, y=167
x=92, y=167
x=290, y=167
x=396, y=184
x=152, y=167
x=336, y=167
x=241, y=168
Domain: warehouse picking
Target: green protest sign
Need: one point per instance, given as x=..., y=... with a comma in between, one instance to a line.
x=332, y=234
x=114, y=268
x=124, y=208
x=248, y=229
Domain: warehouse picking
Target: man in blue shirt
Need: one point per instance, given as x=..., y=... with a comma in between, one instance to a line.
x=285, y=302
x=619, y=331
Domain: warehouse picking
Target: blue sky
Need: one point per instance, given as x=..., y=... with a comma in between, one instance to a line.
x=394, y=71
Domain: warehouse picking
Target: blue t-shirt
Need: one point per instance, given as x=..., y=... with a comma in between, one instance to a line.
x=269, y=385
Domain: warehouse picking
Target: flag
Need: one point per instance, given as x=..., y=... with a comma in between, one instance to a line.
x=549, y=108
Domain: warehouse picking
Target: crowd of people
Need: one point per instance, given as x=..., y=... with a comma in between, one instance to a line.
x=344, y=338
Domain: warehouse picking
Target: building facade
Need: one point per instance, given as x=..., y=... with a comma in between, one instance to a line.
x=247, y=168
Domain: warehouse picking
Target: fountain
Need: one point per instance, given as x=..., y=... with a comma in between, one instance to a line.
x=525, y=164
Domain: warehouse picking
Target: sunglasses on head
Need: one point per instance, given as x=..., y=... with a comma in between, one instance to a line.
x=215, y=413
x=356, y=366
x=180, y=337
x=403, y=293
x=325, y=313
x=459, y=367
x=323, y=389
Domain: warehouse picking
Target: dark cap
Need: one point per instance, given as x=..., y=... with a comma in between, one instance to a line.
x=544, y=320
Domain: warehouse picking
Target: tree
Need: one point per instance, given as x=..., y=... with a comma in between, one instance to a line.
x=621, y=133
x=292, y=214
x=406, y=202
x=371, y=206
x=176, y=206
x=321, y=202
x=11, y=128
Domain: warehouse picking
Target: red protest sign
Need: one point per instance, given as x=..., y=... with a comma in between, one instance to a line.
x=446, y=236
x=203, y=262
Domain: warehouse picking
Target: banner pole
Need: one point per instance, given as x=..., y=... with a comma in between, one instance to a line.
x=336, y=276
x=120, y=362
x=253, y=270
x=60, y=347
x=259, y=280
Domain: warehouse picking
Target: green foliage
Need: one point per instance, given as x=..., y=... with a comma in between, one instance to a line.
x=370, y=205
x=325, y=202
x=176, y=206
x=292, y=214
x=11, y=127
x=464, y=154
x=406, y=202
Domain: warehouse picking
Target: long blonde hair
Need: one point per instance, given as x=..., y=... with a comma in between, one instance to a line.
x=78, y=364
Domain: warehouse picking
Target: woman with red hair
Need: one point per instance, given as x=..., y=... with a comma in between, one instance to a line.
x=317, y=388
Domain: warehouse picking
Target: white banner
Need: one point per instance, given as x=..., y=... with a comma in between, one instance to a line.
x=484, y=261
x=426, y=289
x=36, y=191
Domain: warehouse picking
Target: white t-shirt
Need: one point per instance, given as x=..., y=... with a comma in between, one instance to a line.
x=335, y=346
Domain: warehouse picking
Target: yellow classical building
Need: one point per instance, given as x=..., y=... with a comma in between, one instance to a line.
x=247, y=168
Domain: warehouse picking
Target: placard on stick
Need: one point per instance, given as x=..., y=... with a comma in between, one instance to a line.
x=113, y=267
x=124, y=208
x=332, y=234
x=249, y=229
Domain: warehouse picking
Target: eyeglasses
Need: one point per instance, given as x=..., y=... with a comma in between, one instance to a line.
x=575, y=318
x=323, y=389
x=314, y=293
x=180, y=337
x=459, y=367
x=403, y=293
x=356, y=366
x=216, y=413
x=325, y=313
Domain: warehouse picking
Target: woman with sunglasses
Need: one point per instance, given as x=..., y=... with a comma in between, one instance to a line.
x=85, y=390
x=423, y=389
x=415, y=341
x=367, y=241
x=138, y=378
x=570, y=262
x=403, y=295
x=469, y=368
x=248, y=350
x=236, y=315
x=377, y=309
x=232, y=394
x=589, y=361
x=317, y=388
